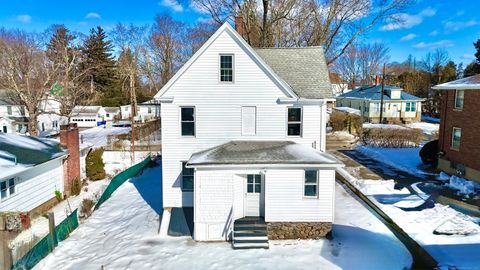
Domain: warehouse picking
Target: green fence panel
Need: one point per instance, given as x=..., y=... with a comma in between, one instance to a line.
x=46, y=245
x=120, y=178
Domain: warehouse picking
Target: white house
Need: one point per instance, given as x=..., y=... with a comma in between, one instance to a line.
x=111, y=113
x=50, y=119
x=31, y=169
x=145, y=111
x=243, y=142
x=87, y=116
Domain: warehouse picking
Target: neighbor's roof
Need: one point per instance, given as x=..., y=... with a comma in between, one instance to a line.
x=303, y=69
x=18, y=153
x=262, y=152
x=7, y=97
x=111, y=109
x=468, y=83
x=85, y=110
x=374, y=93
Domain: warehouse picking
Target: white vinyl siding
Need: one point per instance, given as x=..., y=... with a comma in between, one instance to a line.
x=249, y=120
x=218, y=111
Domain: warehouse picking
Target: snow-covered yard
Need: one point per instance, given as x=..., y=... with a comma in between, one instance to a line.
x=123, y=234
x=97, y=136
x=427, y=128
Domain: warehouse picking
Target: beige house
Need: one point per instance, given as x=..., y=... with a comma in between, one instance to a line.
x=398, y=106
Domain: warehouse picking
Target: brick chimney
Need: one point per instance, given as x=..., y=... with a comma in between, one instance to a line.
x=377, y=80
x=239, y=25
x=71, y=166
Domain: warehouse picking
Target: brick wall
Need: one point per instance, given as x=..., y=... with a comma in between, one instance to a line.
x=69, y=139
x=468, y=119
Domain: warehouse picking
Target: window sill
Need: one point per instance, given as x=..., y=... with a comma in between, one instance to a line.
x=189, y=191
x=455, y=149
x=457, y=109
x=310, y=197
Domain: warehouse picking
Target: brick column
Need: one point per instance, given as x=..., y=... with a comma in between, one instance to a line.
x=69, y=139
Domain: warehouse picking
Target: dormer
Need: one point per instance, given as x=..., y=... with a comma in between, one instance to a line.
x=394, y=93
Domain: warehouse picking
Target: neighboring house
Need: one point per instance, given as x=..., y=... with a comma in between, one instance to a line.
x=243, y=140
x=50, y=120
x=147, y=110
x=32, y=168
x=398, y=106
x=459, y=127
x=87, y=116
x=111, y=113
x=339, y=86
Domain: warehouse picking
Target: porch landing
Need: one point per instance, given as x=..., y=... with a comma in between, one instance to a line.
x=250, y=232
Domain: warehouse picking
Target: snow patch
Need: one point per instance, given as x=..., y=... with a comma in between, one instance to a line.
x=375, y=187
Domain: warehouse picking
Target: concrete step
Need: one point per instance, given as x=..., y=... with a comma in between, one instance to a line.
x=249, y=233
x=253, y=239
x=250, y=245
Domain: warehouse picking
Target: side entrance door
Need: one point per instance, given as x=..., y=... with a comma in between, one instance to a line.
x=253, y=192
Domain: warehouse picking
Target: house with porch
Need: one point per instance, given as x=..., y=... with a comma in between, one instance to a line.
x=243, y=142
x=459, y=125
x=398, y=105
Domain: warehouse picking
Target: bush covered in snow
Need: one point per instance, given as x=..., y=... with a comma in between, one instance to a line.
x=394, y=138
x=94, y=165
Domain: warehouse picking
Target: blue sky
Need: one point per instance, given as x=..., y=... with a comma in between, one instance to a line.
x=450, y=24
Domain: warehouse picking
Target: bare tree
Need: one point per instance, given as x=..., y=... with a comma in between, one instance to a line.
x=25, y=70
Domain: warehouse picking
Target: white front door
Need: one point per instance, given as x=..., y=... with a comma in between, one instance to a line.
x=395, y=110
x=253, y=195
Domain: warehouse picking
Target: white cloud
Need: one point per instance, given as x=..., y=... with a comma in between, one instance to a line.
x=433, y=33
x=93, y=15
x=468, y=56
x=24, y=18
x=452, y=26
x=82, y=23
x=408, y=37
x=406, y=21
x=172, y=4
x=433, y=45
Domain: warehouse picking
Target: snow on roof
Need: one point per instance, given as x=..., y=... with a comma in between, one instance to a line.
x=468, y=83
x=262, y=152
x=375, y=93
x=18, y=153
x=112, y=109
x=85, y=110
x=348, y=110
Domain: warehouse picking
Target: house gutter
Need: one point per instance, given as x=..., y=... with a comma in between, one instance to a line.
x=421, y=258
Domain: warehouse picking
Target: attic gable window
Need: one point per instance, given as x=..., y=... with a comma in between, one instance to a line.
x=188, y=121
x=226, y=68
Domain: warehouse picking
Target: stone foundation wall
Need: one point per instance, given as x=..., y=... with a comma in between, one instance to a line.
x=298, y=230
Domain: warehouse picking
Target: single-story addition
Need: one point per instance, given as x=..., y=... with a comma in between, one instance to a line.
x=253, y=179
x=398, y=105
x=111, y=113
x=87, y=116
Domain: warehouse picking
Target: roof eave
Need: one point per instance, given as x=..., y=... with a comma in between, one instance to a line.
x=265, y=165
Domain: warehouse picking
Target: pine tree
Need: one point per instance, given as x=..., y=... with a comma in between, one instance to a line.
x=99, y=60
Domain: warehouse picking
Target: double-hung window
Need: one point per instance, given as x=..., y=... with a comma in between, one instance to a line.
x=7, y=188
x=254, y=183
x=294, y=122
x=311, y=183
x=456, y=136
x=459, y=99
x=9, y=110
x=187, y=177
x=188, y=121
x=226, y=68
x=410, y=106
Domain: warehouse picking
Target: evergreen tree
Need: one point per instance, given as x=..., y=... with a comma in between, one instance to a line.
x=99, y=60
x=474, y=67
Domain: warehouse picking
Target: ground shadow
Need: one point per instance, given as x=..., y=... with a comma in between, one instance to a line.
x=149, y=186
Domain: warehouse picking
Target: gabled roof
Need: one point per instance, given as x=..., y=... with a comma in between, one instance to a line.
x=375, y=93
x=85, y=110
x=18, y=153
x=8, y=97
x=112, y=109
x=468, y=83
x=262, y=152
x=271, y=71
x=303, y=69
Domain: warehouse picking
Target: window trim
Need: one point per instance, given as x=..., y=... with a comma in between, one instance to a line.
x=311, y=184
x=181, y=176
x=194, y=122
x=220, y=68
x=254, y=183
x=7, y=190
x=453, y=137
x=295, y=122
x=455, y=103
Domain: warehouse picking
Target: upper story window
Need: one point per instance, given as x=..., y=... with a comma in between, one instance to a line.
x=188, y=121
x=311, y=183
x=9, y=110
x=226, y=68
x=187, y=177
x=459, y=99
x=294, y=123
x=7, y=188
x=456, y=136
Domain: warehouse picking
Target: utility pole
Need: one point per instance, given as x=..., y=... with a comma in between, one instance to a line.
x=133, y=102
x=383, y=92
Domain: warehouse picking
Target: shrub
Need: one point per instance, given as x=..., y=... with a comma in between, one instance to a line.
x=354, y=123
x=338, y=121
x=86, y=207
x=429, y=153
x=95, y=167
x=58, y=195
x=76, y=187
x=391, y=137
